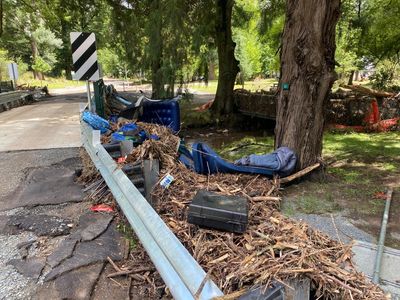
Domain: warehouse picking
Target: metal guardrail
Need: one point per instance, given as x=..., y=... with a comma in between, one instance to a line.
x=180, y=271
x=9, y=97
x=6, y=86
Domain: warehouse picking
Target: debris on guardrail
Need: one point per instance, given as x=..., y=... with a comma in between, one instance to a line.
x=166, y=181
x=273, y=247
x=101, y=208
x=224, y=212
x=96, y=122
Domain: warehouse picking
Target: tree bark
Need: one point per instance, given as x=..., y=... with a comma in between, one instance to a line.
x=1, y=17
x=155, y=41
x=228, y=65
x=211, y=71
x=307, y=75
x=350, y=81
x=67, y=59
x=369, y=92
x=35, y=53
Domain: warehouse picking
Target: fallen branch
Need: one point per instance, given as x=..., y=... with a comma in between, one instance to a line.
x=300, y=173
x=127, y=272
x=369, y=92
x=266, y=198
x=113, y=264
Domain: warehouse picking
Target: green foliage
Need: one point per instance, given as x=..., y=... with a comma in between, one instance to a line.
x=175, y=39
x=110, y=63
x=22, y=66
x=271, y=45
x=382, y=34
x=40, y=65
x=245, y=34
x=47, y=43
x=385, y=74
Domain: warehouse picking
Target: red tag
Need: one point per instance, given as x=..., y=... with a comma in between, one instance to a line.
x=121, y=159
x=102, y=207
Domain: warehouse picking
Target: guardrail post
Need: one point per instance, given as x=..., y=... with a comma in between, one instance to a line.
x=98, y=87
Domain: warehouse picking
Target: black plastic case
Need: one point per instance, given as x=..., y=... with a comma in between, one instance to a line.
x=228, y=213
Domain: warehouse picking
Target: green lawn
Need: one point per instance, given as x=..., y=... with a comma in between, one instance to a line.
x=50, y=82
x=359, y=165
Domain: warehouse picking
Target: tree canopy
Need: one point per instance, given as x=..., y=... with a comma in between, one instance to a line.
x=170, y=42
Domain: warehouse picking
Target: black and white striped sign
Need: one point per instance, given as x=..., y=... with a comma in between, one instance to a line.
x=84, y=56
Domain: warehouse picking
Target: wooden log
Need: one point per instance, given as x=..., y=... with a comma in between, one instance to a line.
x=300, y=173
x=370, y=92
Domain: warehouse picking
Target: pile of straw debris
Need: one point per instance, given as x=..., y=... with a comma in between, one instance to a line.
x=273, y=248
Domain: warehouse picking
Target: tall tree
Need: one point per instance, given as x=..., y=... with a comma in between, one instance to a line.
x=227, y=63
x=307, y=75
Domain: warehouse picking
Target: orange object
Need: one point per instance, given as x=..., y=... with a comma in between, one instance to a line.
x=102, y=208
x=121, y=160
x=373, y=115
x=380, y=195
x=204, y=106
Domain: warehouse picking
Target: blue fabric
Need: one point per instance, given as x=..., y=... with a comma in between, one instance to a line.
x=117, y=137
x=96, y=122
x=113, y=118
x=128, y=127
x=206, y=161
x=283, y=160
x=165, y=113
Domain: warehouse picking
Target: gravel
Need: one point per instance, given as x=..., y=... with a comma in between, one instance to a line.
x=12, y=284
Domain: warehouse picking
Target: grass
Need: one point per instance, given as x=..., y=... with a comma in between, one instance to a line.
x=247, y=146
x=349, y=176
x=358, y=147
x=253, y=85
x=364, y=146
x=51, y=82
x=311, y=204
x=360, y=165
x=126, y=230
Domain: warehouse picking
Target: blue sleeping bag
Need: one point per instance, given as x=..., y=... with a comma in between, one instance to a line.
x=280, y=162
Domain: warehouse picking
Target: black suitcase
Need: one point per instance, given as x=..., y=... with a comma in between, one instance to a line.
x=228, y=213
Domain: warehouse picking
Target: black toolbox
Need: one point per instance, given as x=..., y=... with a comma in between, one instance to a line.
x=229, y=213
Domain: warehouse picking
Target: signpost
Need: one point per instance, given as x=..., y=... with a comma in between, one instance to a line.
x=84, y=59
x=13, y=73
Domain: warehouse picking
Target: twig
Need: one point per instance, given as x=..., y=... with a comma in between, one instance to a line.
x=113, y=264
x=300, y=173
x=129, y=288
x=342, y=284
x=127, y=272
x=116, y=282
x=266, y=198
x=337, y=231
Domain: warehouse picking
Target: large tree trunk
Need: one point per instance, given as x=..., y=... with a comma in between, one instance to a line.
x=307, y=75
x=228, y=65
x=35, y=53
x=350, y=81
x=157, y=83
x=1, y=17
x=67, y=59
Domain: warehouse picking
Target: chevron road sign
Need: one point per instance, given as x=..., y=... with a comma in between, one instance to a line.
x=84, y=56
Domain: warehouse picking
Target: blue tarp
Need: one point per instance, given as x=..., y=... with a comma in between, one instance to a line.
x=96, y=122
x=205, y=161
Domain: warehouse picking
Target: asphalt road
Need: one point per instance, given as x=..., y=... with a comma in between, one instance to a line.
x=49, y=124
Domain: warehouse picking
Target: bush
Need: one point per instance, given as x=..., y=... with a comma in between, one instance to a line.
x=385, y=74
